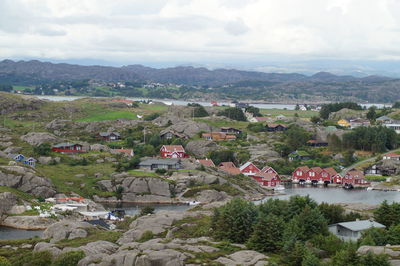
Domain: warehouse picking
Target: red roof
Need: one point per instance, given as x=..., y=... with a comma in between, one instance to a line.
x=303, y=168
x=126, y=151
x=227, y=164
x=207, y=162
x=276, y=125
x=231, y=170
x=316, y=169
x=266, y=176
x=262, y=119
x=392, y=154
x=172, y=148
x=330, y=171
x=355, y=174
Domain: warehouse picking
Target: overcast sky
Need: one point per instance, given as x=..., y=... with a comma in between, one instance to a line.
x=200, y=31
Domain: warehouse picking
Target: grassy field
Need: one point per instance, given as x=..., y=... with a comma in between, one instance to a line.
x=154, y=107
x=63, y=177
x=276, y=112
x=108, y=116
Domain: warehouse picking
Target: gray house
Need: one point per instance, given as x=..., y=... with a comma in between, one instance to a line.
x=152, y=164
x=351, y=231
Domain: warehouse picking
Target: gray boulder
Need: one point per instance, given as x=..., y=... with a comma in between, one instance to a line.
x=167, y=257
x=201, y=148
x=37, y=138
x=8, y=200
x=28, y=222
x=44, y=246
x=207, y=196
x=99, y=147
x=99, y=247
x=245, y=258
x=64, y=229
x=25, y=179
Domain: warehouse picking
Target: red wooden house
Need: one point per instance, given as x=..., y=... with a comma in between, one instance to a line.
x=300, y=174
x=229, y=167
x=269, y=169
x=249, y=169
x=354, y=177
x=68, y=147
x=314, y=175
x=270, y=180
x=206, y=162
x=173, y=151
x=337, y=179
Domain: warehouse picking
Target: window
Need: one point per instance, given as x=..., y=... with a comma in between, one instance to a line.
x=312, y=174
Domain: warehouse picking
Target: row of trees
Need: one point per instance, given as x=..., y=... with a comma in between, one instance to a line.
x=327, y=109
x=294, y=228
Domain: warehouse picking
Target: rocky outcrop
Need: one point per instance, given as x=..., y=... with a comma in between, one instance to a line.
x=156, y=223
x=10, y=103
x=201, y=148
x=37, y=138
x=139, y=189
x=208, y=196
x=26, y=180
x=66, y=230
x=28, y=222
x=245, y=258
x=393, y=252
x=8, y=200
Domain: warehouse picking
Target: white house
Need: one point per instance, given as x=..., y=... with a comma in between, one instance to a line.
x=351, y=231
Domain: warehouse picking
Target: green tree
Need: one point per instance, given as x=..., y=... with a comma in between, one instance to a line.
x=371, y=259
x=146, y=210
x=42, y=149
x=4, y=261
x=296, y=137
x=118, y=192
x=234, y=221
x=234, y=113
x=334, y=143
x=333, y=213
x=374, y=236
x=222, y=156
x=388, y=214
x=310, y=259
x=267, y=234
x=254, y=110
x=394, y=235
x=315, y=119
x=346, y=257
x=371, y=115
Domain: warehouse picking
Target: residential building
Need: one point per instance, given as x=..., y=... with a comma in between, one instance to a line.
x=359, y=122
x=299, y=175
x=218, y=136
x=268, y=169
x=391, y=156
x=206, y=162
x=352, y=231
x=267, y=179
x=354, y=177
x=229, y=167
x=173, y=151
x=299, y=155
x=127, y=152
x=109, y=136
x=230, y=130
x=276, y=127
x=169, y=134
x=249, y=169
x=168, y=164
x=343, y=123
x=68, y=147
x=385, y=120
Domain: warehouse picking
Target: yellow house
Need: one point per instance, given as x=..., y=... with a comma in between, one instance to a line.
x=343, y=123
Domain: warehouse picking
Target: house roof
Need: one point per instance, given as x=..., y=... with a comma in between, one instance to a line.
x=247, y=164
x=172, y=148
x=261, y=118
x=355, y=174
x=106, y=134
x=267, y=176
x=384, y=118
x=392, y=154
x=356, y=226
x=276, y=125
x=299, y=153
x=65, y=144
x=207, y=162
x=302, y=168
x=330, y=171
x=231, y=170
x=149, y=162
x=227, y=164
x=316, y=169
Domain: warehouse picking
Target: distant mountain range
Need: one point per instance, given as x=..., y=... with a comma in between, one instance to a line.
x=38, y=72
x=228, y=83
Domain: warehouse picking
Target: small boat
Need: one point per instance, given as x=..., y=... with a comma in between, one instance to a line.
x=280, y=187
x=369, y=188
x=193, y=203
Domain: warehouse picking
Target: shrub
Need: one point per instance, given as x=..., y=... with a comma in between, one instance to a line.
x=147, y=235
x=4, y=262
x=161, y=171
x=69, y=259
x=146, y=210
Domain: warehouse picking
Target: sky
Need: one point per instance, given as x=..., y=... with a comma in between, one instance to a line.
x=267, y=35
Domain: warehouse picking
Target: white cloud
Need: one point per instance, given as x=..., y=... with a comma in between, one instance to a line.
x=199, y=30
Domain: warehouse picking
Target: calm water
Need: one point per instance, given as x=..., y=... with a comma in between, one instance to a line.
x=337, y=195
x=7, y=233
x=133, y=209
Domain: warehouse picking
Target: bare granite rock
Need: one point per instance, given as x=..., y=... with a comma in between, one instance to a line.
x=37, y=138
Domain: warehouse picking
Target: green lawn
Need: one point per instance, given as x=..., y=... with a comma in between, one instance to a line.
x=276, y=112
x=154, y=107
x=21, y=88
x=108, y=116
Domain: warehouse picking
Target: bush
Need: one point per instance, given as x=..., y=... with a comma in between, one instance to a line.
x=70, y=258
x=161, y=171
x=234, y=113
x=151, y=117
x=42, y=149
x=4, y=262
x=146, y=236
x=146, y=210
x=42, y=258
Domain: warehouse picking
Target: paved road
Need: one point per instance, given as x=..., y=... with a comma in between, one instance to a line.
x=364, y=161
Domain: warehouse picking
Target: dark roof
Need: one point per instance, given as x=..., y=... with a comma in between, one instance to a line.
x=101, y=223
x=149, y=162
x=65, y=144
x=106, y=134
x=356, y=226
